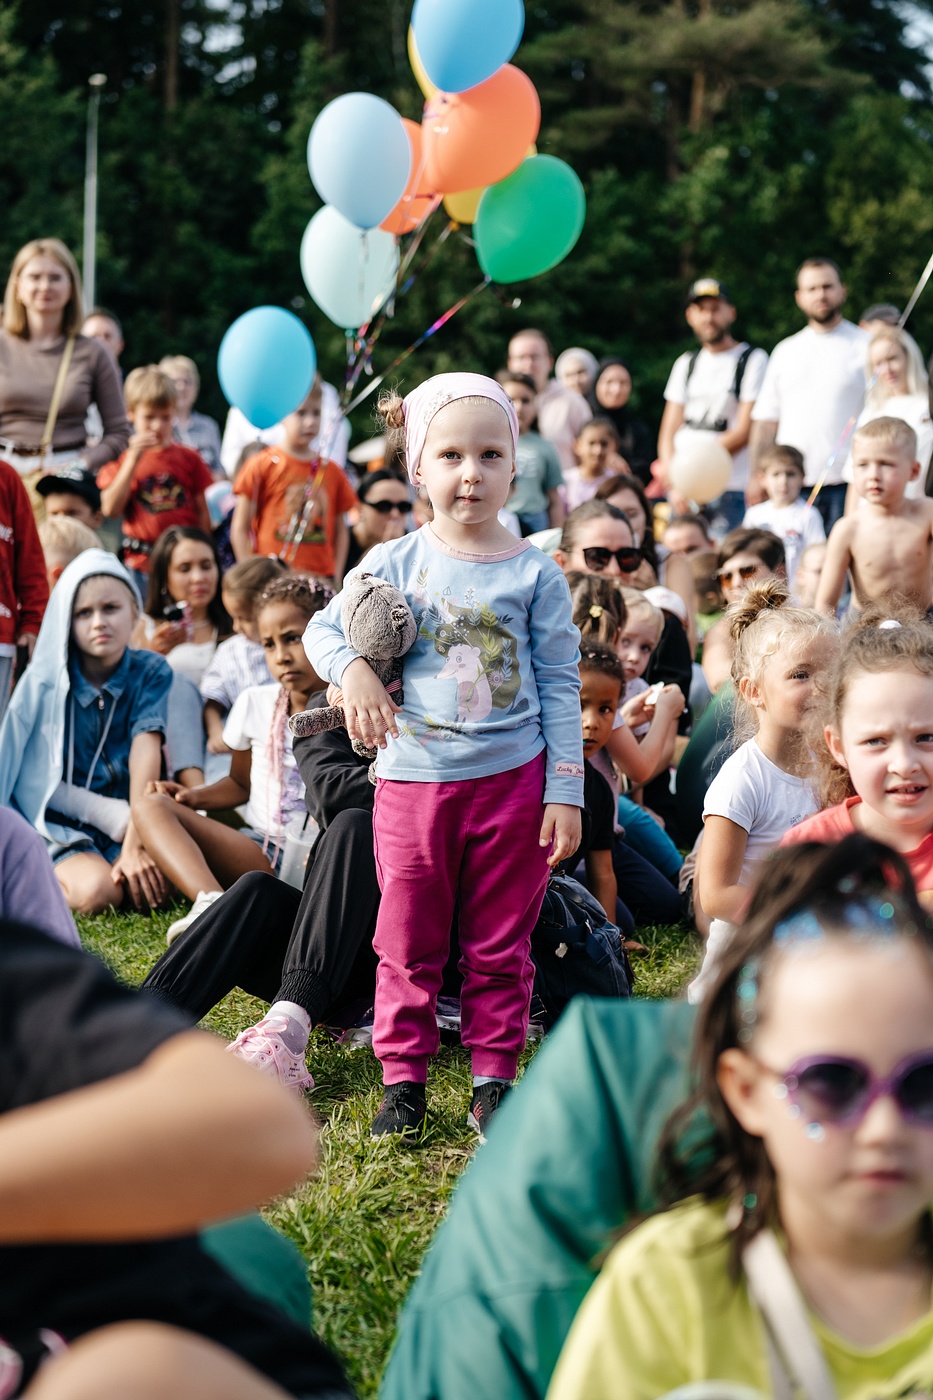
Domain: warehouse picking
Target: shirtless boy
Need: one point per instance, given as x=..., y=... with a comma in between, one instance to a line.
x=886, y=543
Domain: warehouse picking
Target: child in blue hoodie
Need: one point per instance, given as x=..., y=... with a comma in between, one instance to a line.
x=83, y=736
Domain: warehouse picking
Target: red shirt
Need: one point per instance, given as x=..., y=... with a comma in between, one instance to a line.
x=167, y=485
x=24, y=584
x=288, y=492
x=835, y=822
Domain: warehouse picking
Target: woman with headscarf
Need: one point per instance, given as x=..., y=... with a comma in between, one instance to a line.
x=576, y=368
x=609, y=398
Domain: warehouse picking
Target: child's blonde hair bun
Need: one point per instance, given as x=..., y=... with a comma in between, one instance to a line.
x=761, y=596
x=391, y=408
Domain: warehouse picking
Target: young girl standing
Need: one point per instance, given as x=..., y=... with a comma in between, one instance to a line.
x=877, y=766
x=765, y=788
x=481, y=787
x=814, y=1057
x=203, y=857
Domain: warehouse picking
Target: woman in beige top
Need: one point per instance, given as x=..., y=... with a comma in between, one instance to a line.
x=41, y=310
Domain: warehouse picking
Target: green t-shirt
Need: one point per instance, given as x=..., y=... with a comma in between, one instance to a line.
x=537, y=471
x=665, y=1312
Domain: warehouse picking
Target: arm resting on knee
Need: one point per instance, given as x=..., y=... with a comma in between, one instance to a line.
x=192, y=1135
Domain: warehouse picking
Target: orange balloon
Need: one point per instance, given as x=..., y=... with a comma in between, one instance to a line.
x=413, y=206
x=476, y=138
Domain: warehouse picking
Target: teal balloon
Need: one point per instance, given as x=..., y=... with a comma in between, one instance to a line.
x=529, y=221
x=266, y=364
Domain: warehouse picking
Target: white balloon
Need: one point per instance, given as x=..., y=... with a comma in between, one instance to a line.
x=701, y=468
x=348, y=271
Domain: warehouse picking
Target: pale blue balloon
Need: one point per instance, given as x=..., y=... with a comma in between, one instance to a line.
x=348, y=271
x=359, y=157
x=463, y=42
x=266, y=364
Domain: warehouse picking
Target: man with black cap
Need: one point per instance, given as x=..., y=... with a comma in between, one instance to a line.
x=713, y=390
x=72, y=491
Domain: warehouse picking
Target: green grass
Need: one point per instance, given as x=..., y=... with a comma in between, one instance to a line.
x=364, y=1221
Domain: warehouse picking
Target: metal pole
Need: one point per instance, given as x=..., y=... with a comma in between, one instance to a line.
x=95, y=83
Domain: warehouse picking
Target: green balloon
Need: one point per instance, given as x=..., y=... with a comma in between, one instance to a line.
x=529, y=221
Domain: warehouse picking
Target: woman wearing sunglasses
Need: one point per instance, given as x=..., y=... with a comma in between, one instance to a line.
x=598, y=539
x=385, y=504
x=745, y=556
x=802, y=1243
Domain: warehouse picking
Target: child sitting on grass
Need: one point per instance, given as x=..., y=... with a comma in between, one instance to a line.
x=240, y=661
x=204, y=857
x=646, y=858
x=292, y=502
x=800, y=1168
x=83, y=737
x=766, y=787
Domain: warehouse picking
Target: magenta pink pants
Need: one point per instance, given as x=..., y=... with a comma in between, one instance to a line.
x=435, y=842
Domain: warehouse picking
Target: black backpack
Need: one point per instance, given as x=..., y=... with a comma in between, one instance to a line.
x=576, y=951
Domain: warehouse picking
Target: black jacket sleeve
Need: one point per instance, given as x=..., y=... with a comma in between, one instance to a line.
x=335, y=778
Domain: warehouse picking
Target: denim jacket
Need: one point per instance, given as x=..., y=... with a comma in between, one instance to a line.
x=132, y=701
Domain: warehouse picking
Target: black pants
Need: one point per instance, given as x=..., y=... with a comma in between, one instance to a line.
x=313, y=947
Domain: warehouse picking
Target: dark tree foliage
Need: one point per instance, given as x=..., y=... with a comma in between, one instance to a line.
x=725, y=136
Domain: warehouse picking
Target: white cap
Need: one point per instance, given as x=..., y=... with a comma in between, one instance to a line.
x=668, y=601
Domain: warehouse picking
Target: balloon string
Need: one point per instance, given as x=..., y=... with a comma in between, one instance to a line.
x=415, y=345
x=366, y=337
x=850, y=426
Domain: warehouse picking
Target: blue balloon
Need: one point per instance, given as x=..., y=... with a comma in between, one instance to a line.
x=359, y=156
x=463, y=42
x=266, y=364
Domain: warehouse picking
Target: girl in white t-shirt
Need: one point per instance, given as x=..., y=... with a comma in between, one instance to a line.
x=765, y=788
x=203, y=857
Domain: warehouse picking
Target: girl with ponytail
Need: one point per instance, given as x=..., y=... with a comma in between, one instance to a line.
x=204, y=857
x=781, y=655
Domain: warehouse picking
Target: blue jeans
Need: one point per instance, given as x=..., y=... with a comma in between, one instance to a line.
x=643, y=835
x=831, y=503
x=185, y=741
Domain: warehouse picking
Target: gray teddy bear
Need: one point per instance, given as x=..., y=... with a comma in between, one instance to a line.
x=379, y=624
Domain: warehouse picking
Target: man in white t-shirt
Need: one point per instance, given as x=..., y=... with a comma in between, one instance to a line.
x=713, y=390
x=814, y=386
x=562, y=413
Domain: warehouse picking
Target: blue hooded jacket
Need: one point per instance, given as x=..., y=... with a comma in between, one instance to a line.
x=33, y=731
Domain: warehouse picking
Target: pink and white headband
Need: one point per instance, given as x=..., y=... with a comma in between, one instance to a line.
x=420, y=406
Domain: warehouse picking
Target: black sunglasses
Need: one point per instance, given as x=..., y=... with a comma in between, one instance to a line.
x=386, y=507
x=597, y=559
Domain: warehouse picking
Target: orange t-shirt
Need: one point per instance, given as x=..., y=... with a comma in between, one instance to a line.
x=833, y=823
x=167, y=482
x=276, y=483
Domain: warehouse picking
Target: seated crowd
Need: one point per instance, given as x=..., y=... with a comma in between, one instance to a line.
x=362, y=720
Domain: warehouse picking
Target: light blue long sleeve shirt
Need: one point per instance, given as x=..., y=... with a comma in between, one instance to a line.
x=492, y=677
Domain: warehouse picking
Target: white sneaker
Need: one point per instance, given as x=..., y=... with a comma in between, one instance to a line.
x=262, y=1045
x=202, y=901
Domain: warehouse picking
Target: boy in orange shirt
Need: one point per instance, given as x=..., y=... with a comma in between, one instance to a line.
x=157, y=482
x=291, y=504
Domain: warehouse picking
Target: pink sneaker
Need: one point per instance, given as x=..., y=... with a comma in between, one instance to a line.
x=262, y=1045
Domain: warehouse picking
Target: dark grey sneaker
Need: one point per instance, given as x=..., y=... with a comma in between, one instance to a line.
x=403, y=1111
x=485, y=1103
